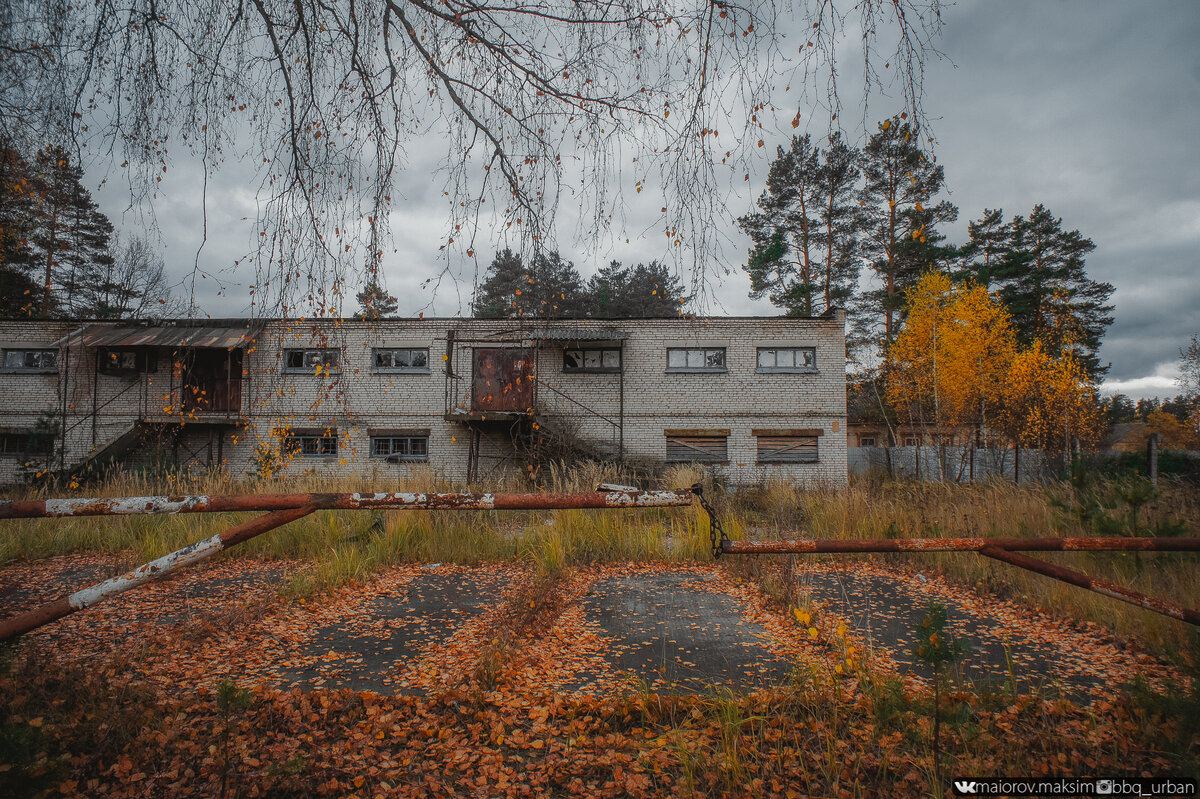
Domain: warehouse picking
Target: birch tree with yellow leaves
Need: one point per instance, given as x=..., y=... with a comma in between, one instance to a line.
x=948, y=365
x=956, y=366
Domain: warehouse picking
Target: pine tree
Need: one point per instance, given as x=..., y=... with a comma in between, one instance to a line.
x=781, y=265
x=505, y=283
x=989, y=240
x=548, y=288
x=841, y=220
x=19, y=292
x=1044, y=285
x=374, y=302
x=805, y=235
x=900, y=182
x=68, y=234
x=642, y=292
x=607, y=291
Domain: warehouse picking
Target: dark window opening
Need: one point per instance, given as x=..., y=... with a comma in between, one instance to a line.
x=26, y=442
x=124, y=362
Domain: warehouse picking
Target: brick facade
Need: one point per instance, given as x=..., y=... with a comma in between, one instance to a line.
x=622, y=412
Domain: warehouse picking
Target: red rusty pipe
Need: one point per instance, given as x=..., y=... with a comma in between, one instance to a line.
x=192, y=553
x=204, y=503
x=817, y=545
x=1093, y=584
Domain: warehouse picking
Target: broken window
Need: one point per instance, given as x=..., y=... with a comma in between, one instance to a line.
x=34, y=361
x=787, y=359
x=311, y=361
x=697, y=446
x=696, y=359
x=124, y=362
x=592, y=359
x=787, y=446
x=407, y=359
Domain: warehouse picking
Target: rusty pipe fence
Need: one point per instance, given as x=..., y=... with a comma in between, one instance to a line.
x=284, y=508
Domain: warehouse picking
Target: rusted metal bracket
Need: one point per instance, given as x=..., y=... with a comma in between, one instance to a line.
x=1006, y=550
x=283, y=508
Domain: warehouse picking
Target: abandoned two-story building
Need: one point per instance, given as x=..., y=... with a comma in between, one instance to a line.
x=755, y=398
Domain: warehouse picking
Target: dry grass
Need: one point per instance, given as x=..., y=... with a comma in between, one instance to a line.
x=936, y=510
x=346, y=546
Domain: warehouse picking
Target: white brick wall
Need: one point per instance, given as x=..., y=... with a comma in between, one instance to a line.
x=357, y=399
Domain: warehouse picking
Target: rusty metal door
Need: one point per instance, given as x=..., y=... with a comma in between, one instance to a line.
x=502, y=379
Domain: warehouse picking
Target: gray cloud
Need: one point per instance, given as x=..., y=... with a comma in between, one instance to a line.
x=1091, y=108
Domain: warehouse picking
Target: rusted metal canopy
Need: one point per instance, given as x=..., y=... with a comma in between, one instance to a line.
x=208, y=336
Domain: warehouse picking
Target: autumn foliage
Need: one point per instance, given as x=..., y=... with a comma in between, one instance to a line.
x=956, y=367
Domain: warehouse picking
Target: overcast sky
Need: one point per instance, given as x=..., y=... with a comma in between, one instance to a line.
x=1091, y=108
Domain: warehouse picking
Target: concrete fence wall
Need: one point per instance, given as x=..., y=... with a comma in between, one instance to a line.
x=954, y=464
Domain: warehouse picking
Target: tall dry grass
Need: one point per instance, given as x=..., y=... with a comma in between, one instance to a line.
x=350, y=545
x=867, y=510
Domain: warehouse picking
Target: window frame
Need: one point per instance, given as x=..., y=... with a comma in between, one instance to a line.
x=399, y=370
x=144, y=361
x=293, y=443
x=303, y=369
x=724, y=367
x=26, y=436
x=785, y=370
x=399, y=435
x=862, y=441
x=28, y=370
x=804, y=437
x=712, y=436
x=593, y=369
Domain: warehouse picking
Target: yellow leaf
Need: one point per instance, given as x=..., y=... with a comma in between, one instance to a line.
x=812, y=632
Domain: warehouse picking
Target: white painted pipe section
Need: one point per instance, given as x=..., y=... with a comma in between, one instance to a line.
x=200, y=550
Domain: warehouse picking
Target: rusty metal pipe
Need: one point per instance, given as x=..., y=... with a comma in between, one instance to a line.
x=192, y=553
x=217, y=503
x=1093, y=584
x=816, y=545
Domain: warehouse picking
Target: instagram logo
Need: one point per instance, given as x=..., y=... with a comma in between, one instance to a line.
x=1104, y=786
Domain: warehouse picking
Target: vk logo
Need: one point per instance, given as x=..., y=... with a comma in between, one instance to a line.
x=963, y=787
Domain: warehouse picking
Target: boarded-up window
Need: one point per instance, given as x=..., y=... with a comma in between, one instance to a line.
x=697, y=446
x=787, y=446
